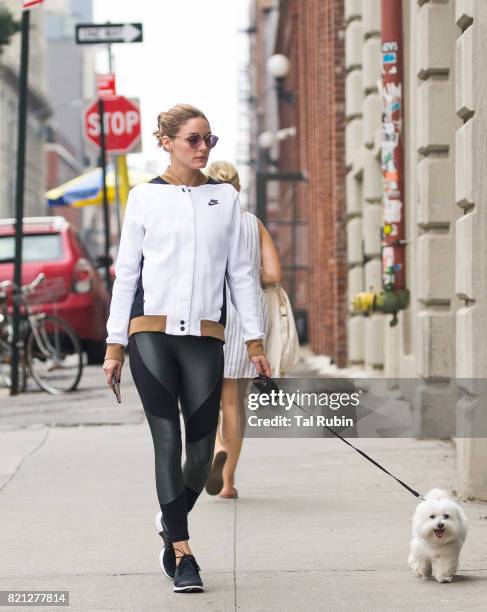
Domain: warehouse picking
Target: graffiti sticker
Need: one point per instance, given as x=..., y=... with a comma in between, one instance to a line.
x=392, y=211
x=389, y=58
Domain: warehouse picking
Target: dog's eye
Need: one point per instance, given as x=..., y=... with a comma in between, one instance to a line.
x=432, y=516
x=447, y=516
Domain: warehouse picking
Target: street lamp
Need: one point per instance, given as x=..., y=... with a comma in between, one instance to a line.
x=278, y=66
x=284, y=133
x=267, y=139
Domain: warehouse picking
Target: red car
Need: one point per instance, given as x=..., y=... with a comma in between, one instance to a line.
x=73, y=289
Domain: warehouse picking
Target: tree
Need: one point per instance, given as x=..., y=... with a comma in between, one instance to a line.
x=8, y=27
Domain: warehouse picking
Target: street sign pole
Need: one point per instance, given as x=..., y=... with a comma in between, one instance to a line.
x=19, y=203
x=108, y=34
x=115, y=157
x=106, y=212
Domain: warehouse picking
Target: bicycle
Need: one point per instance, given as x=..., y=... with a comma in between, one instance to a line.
x=49, y=349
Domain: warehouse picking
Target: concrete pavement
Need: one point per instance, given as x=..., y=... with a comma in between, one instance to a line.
x=316, y=526
x=91, y=404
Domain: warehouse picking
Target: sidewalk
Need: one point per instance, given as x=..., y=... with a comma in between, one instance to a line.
x=317, y=527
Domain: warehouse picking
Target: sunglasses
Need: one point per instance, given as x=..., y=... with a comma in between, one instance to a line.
x=195, y=140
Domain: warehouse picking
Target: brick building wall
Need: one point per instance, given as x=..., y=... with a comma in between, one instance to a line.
x=310, y=34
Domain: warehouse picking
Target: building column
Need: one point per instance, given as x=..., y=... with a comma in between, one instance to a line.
x=471, y=253
x=432, y=34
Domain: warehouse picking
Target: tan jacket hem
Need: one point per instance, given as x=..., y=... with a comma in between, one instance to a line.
x=157, y=323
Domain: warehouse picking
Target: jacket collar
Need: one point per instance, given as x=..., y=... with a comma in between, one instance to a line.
x=170, y=178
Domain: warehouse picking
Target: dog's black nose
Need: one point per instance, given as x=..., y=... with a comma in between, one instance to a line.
x=441, y=525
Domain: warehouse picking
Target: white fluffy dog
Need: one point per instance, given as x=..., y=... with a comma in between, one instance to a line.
x=439, y=530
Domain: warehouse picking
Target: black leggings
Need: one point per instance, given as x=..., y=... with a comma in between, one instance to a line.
x=166, y=368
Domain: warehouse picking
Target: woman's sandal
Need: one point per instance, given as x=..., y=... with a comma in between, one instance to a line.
x=232, y=495
x=214, y=484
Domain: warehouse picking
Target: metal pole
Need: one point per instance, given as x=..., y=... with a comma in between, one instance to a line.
x=110, y=58
x=293, y=247
x=394, y=226
x=114, y=159
x=106, y=212
x=124, y=179
x=19, y=204
x=117, y=194
x=261, y=192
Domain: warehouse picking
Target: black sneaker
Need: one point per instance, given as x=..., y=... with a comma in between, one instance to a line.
x=187, y=578
x=167, y=556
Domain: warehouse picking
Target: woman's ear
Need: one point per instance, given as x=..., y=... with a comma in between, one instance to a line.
x=166, y=143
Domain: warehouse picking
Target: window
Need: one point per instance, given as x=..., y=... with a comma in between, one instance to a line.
x=35, y=247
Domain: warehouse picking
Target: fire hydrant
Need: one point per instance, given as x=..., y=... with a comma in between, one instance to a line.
x=387, y=302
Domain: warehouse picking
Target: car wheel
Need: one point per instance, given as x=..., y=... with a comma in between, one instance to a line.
x=95, y=351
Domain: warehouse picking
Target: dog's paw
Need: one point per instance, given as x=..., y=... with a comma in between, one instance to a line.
x=417, y=571
x=444, y=578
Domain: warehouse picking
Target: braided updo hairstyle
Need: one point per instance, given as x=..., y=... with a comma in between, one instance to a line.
x=170, y=122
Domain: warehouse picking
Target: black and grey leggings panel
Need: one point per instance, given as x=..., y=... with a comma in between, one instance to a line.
x=165, y=369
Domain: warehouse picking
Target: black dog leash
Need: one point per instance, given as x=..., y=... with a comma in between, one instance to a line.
x=266, y=384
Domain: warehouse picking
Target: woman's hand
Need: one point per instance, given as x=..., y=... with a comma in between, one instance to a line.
x=111, y=366
x=261, y=364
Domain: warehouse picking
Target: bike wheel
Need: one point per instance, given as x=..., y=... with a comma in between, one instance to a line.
x=54, y=357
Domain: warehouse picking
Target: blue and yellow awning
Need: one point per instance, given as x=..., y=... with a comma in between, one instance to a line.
x=86, y=190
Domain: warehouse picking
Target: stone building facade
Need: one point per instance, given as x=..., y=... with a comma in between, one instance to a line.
x=439, y=336
x=336, y=58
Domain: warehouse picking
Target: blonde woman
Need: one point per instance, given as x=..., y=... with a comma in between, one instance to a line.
x=181, y=240
x=266, y=269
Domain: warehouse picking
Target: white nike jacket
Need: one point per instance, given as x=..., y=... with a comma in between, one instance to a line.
x=179, y=246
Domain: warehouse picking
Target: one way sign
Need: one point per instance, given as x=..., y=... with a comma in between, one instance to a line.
x=108, y=33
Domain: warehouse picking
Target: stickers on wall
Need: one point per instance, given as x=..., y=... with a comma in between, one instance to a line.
x=391, y=162
x=390, y=229
x=392, y=210
x=389, y=57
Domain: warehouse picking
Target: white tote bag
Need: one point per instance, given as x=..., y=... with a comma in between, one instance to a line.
x=282, y=343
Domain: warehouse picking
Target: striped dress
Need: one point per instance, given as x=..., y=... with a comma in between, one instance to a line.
x=237, y=362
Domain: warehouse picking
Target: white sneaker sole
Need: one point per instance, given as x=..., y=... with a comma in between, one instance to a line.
x=161, y=554
x=189, y=589
x=159, y=522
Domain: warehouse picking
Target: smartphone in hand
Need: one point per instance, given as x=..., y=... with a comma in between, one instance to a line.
x=116, y=388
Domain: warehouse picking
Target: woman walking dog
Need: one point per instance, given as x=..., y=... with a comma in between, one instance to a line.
x=181, y=244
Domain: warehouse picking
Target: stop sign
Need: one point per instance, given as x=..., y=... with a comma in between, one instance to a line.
x=121, y=120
